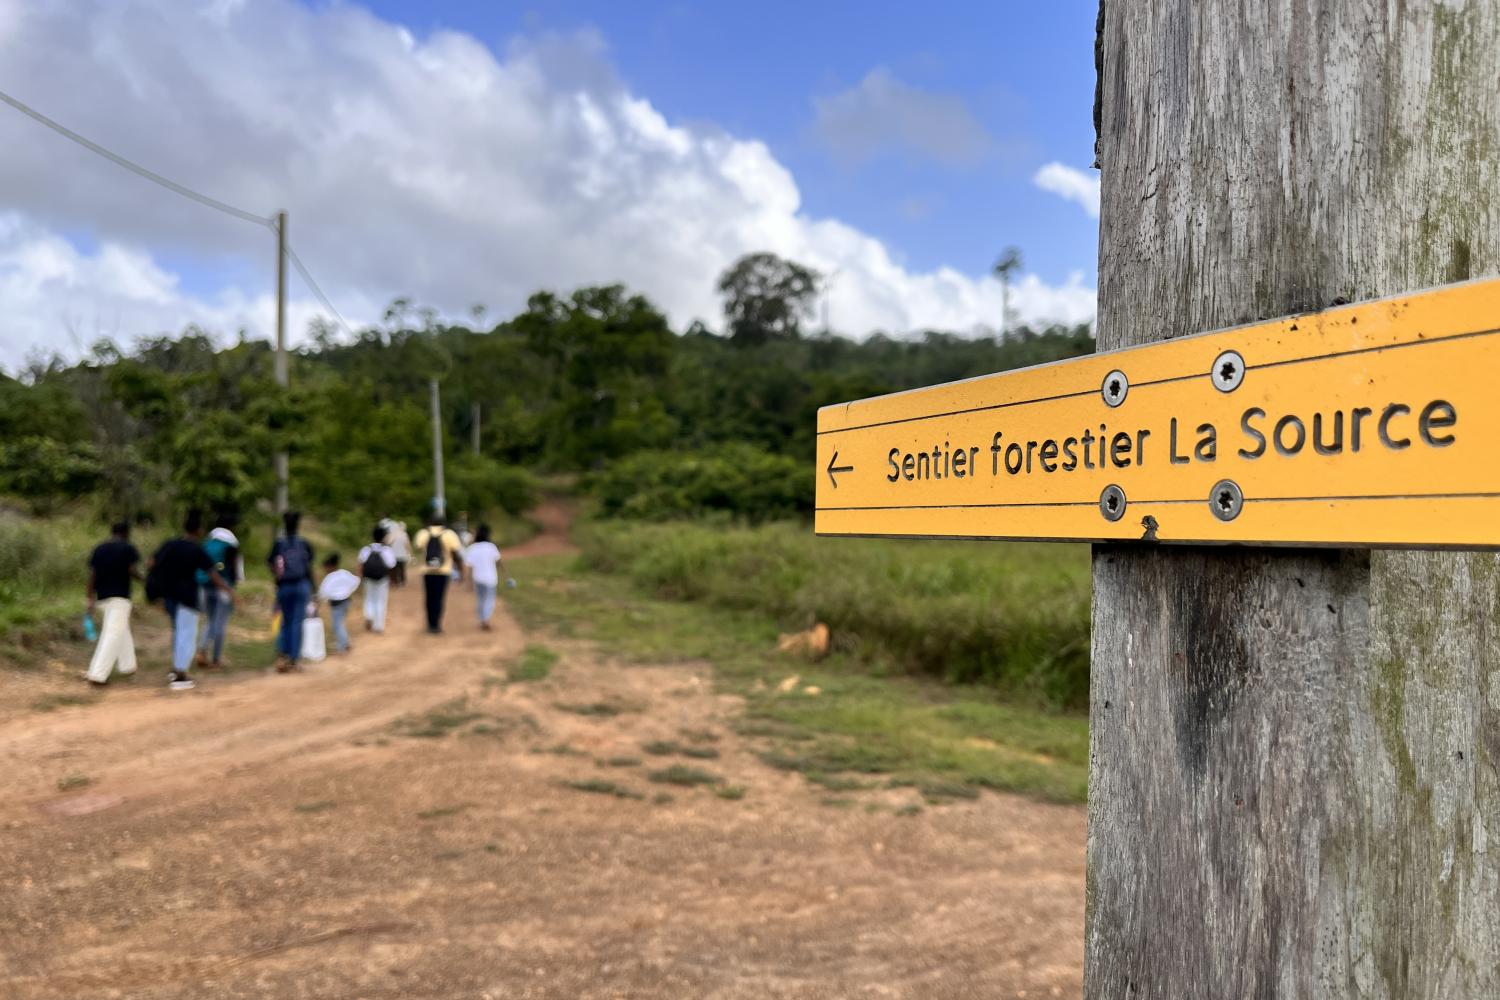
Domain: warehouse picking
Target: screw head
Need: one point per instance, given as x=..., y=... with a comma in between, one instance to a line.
x=1226, y=500
x=1228, y=371
x=1114, y=388
x=1112, y=503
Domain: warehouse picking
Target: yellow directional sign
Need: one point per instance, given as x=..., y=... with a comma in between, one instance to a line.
x=1375, y=424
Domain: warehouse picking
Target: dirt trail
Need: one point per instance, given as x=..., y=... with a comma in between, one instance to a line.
x=400, y=823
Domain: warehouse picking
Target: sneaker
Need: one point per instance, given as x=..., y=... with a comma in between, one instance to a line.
x=201, y=660
x=283, y=665
x=180, y=682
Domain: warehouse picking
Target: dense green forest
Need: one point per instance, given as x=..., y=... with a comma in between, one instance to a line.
x=663, y=423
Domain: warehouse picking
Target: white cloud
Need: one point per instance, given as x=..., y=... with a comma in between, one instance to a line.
x=882, y=114
x=1070, y=183
x=58, y=299
x=426, y=167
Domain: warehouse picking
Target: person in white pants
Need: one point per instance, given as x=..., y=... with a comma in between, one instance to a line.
x=377, y=564
x=112, y=567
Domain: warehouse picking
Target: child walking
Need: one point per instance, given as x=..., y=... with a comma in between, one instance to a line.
x=337, y=588
x=482, y=560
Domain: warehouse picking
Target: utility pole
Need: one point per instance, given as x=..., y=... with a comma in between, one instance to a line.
x=439, y=499
x=1295, y=754
x=1008, y=264
x=474, y=430
x=280, y=461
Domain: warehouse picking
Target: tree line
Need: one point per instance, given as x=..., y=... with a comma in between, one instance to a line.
x=576, y=382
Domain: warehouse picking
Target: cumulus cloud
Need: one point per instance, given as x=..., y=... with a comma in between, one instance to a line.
x=1070, y=183
x=881, y=114
x=427, y=167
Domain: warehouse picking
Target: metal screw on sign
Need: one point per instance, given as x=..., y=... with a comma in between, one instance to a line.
x=1228, y=371
x=1115, y=388
x=1226, y=500
x=1112, y=503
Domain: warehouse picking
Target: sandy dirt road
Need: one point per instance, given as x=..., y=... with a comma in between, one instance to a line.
x=399, y=823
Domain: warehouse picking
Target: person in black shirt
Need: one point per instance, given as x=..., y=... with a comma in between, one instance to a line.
x=174, y=578
x=111, y=568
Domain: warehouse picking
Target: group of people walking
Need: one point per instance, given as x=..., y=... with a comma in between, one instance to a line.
x=195, y=578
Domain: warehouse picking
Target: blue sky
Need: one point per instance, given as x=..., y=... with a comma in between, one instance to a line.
x=456, y=152
x=1025, y=72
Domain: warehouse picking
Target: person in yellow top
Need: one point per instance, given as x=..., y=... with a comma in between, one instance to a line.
x=441, y=555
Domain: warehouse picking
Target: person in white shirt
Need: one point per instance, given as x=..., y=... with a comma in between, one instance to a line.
x=377, y=564
x=337, y=588
x=483, y=563
x=400, y=543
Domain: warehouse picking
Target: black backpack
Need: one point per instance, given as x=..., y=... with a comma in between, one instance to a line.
x=296, y=560
x=434, y=549
x=374, y=567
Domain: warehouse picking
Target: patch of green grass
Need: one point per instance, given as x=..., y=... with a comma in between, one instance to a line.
x=662, y=798
x=621, y=762
x=534, y=664
x=447, y=855
x=837, y=803
x=440, y=721
x=699, y=736
x=50, y=702
x=322, y=805
x=601, y=787
x=667, y=748
x=595, y=709
x=936, y=791
x=837, y=782
x=684, y=775
x=860, y=723
x=910, y=809
x=561, y=750
x=731, y=792
x=71, y=781
x=441, y=811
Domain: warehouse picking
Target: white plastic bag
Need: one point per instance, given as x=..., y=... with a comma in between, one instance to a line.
x=313, y=648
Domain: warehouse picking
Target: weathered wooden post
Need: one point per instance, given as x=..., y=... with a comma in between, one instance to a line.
x=1295, y=781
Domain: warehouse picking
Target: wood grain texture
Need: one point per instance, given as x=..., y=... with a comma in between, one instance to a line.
x=1295, y=779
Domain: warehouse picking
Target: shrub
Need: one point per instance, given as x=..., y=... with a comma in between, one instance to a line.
x=735, y=481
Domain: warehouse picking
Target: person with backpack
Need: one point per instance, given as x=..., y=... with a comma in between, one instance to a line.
x=224, y=549
x=173, y=578
x=111, y=568
x=291, y=562
x=377, y=564
x=441, y=552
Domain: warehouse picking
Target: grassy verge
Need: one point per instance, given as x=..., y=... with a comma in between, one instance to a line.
x=1012, y=617
x=832, y=721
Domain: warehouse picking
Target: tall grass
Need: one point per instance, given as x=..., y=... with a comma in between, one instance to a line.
x=1014, y=617
x=42, y=570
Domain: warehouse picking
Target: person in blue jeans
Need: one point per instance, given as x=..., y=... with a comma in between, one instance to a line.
x=291, y=562
x=338, y=589
x=224, y=549
x=173, y=577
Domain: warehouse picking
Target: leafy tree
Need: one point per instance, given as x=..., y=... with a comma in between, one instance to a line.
x=766, y=298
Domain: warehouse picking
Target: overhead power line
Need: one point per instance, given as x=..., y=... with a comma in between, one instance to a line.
x=136, y=168
x=307, y=277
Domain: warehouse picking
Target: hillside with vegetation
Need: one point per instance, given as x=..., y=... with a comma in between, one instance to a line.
x=594, y=387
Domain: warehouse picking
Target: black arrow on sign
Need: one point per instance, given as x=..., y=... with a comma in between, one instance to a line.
x=836, y=468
